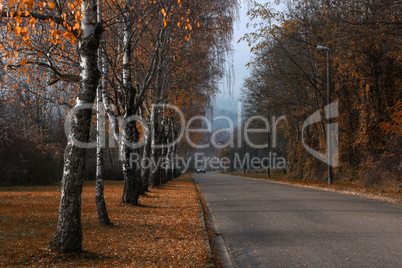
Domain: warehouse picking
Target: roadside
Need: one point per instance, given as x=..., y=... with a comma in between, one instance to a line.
x=220, y=255
x=354, y=188
x=166, y=230
x=210, y=232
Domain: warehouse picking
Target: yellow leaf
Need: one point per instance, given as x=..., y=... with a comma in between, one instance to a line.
x=30, y=3
x=32, y=21
x=51, y=5
x=11, y=3
x=18, y=19
x=163, y=12
x=23, y=62
x=76, y=26
x=164, y=22
x=67, y=35
x=17, y=30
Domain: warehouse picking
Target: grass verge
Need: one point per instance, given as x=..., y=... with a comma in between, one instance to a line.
x=164, y=231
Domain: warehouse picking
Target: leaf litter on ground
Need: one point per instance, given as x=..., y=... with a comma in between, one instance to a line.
x=165, y=230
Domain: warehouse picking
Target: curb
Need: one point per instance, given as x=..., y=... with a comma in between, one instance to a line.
x=219, y=241
x=205, y=229
x=220, y=248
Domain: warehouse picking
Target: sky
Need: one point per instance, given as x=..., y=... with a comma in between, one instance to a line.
x=240, y=57
x=227, y=103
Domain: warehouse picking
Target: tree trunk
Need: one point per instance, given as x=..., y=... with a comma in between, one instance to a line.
x=169, y=153
x=145, y=170
x=130, y=170
x=103, y=216
x=130, y=131
x=174, y=167
x=68, y=236
x=153, y=172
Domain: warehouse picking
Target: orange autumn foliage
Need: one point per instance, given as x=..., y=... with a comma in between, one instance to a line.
x=395, y=125
x=365, y=65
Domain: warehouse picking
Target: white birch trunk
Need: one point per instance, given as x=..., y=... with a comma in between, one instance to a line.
x=103, y=216
x=68, y=236
x=153, y=173
x=130, y=131
x=114, y=126
x=145, y=171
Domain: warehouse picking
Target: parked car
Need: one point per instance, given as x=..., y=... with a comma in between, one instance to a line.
x=200, y=169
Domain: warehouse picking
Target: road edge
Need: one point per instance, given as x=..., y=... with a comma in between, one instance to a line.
x=220, y=252
x=203, y=222
x=365, y=195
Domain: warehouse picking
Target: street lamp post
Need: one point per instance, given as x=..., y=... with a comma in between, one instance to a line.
x=329, y=153
x=268, y=146
x=231, y=160
x=244, y=151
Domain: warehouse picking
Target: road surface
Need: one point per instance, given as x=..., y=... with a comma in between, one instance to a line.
x=267, y=224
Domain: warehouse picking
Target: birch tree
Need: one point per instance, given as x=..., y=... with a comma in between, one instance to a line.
x=68, y=236
x=103, y=216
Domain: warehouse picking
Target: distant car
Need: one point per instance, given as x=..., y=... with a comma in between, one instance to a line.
x=200, y=169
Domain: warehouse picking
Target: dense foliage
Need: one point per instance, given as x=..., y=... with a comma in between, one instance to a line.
x=364, y=38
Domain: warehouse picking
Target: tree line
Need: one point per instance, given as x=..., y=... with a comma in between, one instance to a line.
x=138, y=61
x=288, y=77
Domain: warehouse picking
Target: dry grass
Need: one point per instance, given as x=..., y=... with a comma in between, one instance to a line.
x=374, y=191
x=164, y=231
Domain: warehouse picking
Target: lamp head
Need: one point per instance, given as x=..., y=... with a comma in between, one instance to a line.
x=322, y=48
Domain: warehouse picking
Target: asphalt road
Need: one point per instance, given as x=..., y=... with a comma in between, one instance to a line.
x=267, y=224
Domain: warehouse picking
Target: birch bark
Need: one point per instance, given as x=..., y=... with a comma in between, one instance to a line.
x=68, y=236
x=130, y=130
x=103, y=216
